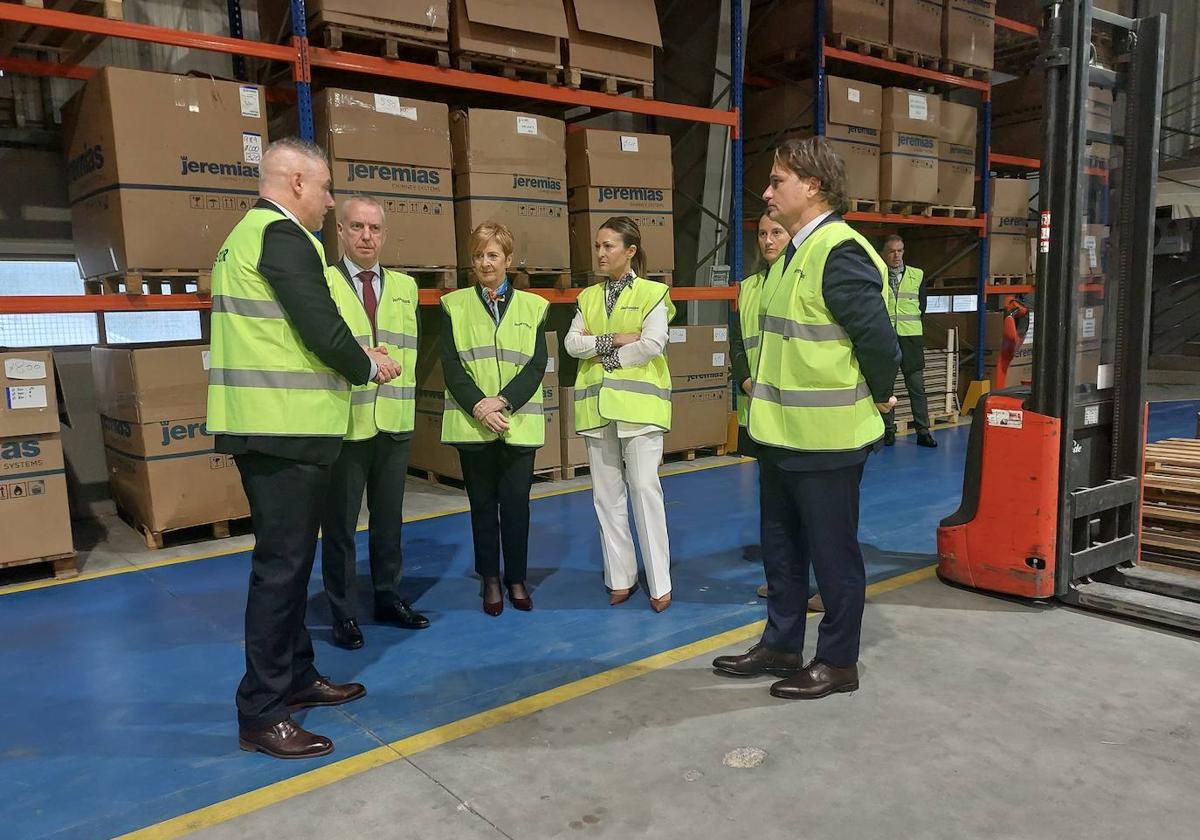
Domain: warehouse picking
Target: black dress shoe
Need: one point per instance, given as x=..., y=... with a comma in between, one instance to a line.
x=759, y=660
x=322, y=692
x=285, y=739
x=401, y=614
x=347, y=635
x=926, y=439
x=818, y=680
x=889, y=438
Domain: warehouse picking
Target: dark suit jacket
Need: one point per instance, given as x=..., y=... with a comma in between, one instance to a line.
x=853, y=291
x=296, y=273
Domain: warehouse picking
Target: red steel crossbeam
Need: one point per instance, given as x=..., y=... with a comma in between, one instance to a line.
x=906, y=69
x=1017, y=26
x=31, y=67
x=893, y=219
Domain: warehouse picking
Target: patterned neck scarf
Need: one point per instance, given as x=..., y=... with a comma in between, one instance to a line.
x=494, y=297
x=613, y=289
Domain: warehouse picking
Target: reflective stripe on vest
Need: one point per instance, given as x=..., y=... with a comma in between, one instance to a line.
x=905, y=306
x=391, y=407
x=492, y=354
x=749, y=292
x=263, y=379
x=639, y=395
x=809, y=393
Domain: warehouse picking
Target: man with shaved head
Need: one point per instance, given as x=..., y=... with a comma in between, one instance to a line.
x=282, y=366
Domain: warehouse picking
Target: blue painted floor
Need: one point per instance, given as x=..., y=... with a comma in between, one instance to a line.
x=122, y=711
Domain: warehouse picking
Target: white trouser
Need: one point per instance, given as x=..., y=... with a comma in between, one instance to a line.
x=616, y=462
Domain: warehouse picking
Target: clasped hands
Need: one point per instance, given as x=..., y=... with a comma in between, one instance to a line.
x=490, y=412
x=387, y=367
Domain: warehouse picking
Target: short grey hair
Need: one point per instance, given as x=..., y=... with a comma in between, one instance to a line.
x=362, y=198
x=307, y=148
x=895, y=237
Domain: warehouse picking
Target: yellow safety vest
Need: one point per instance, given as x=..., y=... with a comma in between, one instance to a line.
x=263, y=379
x=493, y=354
x=809, y=393
x=390, y=407
x=905, y=307
x=639, y=395
x=749, y=292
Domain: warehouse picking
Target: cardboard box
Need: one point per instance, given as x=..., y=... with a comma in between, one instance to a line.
x=33, y=498
x=1017, y=116
x=30, y=395
x=787, y=25
x=150, y=383
x=526, y=31
x=916, y=25
x=956, y=183
x=958, y=130
x=427, y=20
x=698, y=357
x=592, y=47
x=699, y=418
x=613, y=173
x=969, y=32
x=908, y=168
x=511, y=167
x=397, y=150
x=1008, y=253
x=1009, y=211
x=159, y=168
x=907, y=111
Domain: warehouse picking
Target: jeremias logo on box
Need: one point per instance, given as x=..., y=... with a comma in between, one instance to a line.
x=604, y=194
x=12, y=450
x=86, y=162
x=858, y=129
x=391, y=172
x=1012, y=221
x=526, y=182
x=181, y=431
x=915, y=141
x=237, y=169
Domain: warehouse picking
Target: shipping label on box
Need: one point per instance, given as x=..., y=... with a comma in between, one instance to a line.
x=28, y=398
x=533, y=207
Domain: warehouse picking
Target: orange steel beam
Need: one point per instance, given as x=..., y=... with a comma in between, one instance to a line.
x=355, y=63
x=1017, y=26
x=937, y=221
x=143, y=32
x=907, y=70
x=30, y=67
x=1014, y=160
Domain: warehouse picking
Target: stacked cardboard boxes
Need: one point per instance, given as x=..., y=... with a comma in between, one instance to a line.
x=941, y=379
x=159, y=168
x=908, y=170
x=1009, y=226
x=162, y=469
x=853, y=119
x=917, y=26
x=969, y=32
x=613, y=173
x=700, y=397
x=574, y=448
x=508, y=32
x=956, y=155
x=397, y=150
x=428, y=451
x=511, y=167
x=785, y=29
x=595, y=47
x=1017, y=119
x=423, y=21
x=33, y=476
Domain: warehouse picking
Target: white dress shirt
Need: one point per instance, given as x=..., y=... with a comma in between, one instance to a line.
x=355, y=270
x=807, y=230
x=653, y=342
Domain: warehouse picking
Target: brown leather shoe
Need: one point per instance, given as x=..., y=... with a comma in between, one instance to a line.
x=620, y=596
x=325, y=693
x=285, y=739
x=660, y=604
x=759, y=660
x=817, y=680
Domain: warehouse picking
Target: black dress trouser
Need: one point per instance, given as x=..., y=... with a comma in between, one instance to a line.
x=810, y=519
x=285, y=509
x=912, y=364
x=498, y=478
x=378, y=466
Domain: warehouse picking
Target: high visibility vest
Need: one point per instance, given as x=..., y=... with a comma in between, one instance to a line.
x=493, y=354
x=638, y=395
x=809, y=393
x=749, y=293
x=390, y=407
x=905, y=307
x=263, y=379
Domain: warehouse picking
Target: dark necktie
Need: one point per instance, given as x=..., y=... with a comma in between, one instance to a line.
x=370, y=301
x=791, y=252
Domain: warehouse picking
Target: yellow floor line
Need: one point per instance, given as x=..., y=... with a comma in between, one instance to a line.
x=280, y=791
x=225, y=552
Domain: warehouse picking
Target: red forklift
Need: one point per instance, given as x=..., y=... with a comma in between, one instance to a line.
x=1052, y=489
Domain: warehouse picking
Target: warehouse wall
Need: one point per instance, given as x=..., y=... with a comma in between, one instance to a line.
x=1181, y=102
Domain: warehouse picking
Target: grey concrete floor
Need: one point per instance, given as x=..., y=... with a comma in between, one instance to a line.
x=977, y=718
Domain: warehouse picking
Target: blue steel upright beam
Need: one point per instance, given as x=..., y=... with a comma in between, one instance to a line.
x=303, y=80
x=819, y=69
x=985, y=164
x=736, y=90
x=236, y=31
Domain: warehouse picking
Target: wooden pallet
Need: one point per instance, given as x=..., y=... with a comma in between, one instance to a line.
x=196, y=532
x=580, y=79
x=864, y=205
x=950, y=211
x=393, y=45
x=150, y=282
x=1007, y=280
x=907, y=208
x=71, y=47
x=860, y=46
x=966, y=71
x=429, y=277
x=776, y=64
x=508, y=68
x=916, y=59
x=1171, y=500
x=541, y=278
x=716, y=450
x=60, y=565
